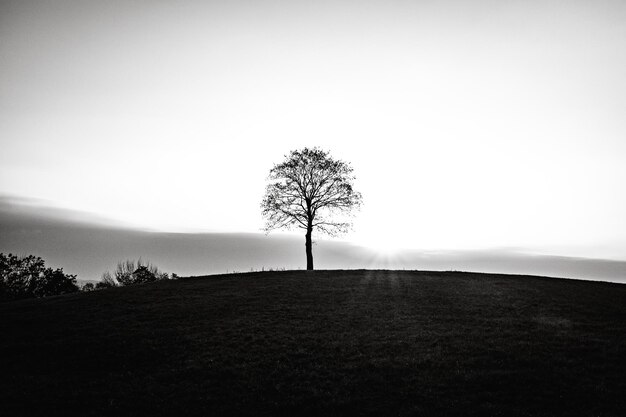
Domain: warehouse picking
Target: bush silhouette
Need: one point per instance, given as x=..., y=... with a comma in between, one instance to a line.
x=131, y=272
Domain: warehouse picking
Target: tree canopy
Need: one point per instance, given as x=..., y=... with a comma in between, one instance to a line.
x=28, y=277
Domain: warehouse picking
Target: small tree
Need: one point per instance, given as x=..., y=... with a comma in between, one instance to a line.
x=124, y=272
x=311, y=191
x=130, y=272
x=143, y=274
x=106, y=281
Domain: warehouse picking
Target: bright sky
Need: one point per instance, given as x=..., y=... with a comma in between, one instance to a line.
x=470, y=125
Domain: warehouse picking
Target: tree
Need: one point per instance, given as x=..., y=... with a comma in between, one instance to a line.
x=143, y=274
x=54, y=282
x=106, y=281
x=27, y=277
x=311, y=191
x=130, y=272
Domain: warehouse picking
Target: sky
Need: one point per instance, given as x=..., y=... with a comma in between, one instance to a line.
x=86, y=246
x=471, y=125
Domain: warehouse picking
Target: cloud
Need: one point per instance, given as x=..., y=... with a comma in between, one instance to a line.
x=88, y=245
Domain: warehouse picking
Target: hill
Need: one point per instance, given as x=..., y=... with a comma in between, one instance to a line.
x=320, y=343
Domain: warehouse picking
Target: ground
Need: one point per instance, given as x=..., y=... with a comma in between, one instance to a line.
x=320, y=343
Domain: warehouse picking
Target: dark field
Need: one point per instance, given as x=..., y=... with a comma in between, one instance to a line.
x=320, y=343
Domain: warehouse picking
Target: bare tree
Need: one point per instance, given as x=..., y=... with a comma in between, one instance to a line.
x=129, y=272
x=310, y=190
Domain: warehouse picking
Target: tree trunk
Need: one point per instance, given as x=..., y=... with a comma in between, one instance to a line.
x=309, y=249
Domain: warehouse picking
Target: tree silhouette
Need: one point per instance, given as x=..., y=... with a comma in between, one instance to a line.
x=311, y=191
x=130, y=272
x=28, y=277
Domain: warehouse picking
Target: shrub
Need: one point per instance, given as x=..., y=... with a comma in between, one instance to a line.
x=142, y=274
x=106, y=281
x=131, y=272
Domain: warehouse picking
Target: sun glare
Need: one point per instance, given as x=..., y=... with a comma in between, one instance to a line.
x=383, y=247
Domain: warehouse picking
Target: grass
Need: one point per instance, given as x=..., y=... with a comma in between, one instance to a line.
x=320, y=343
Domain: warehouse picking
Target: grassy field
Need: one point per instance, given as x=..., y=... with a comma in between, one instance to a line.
x=320, y=343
